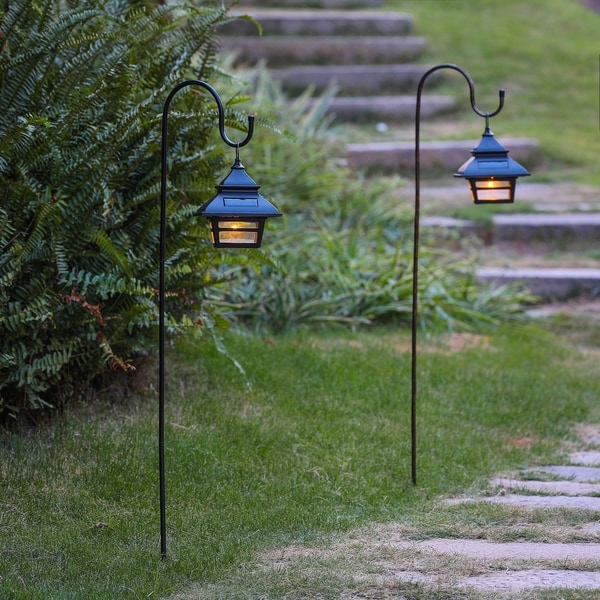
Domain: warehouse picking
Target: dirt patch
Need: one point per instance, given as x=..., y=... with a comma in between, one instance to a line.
x=522, y=442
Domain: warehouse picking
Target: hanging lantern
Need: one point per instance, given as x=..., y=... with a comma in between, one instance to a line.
x=237, y=214
x=491, y=173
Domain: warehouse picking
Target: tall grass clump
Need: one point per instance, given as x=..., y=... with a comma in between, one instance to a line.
x=344, y=251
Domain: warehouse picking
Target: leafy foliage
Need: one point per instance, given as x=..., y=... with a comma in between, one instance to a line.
x=82, y=85
x=344, y=253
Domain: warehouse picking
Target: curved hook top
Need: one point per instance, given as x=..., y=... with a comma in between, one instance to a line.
x=221, y=109
x=471, y=84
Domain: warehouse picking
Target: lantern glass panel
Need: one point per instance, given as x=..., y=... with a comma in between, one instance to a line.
x=238, y=224
x=490, y=191
x=235, y=237
x=243, y=234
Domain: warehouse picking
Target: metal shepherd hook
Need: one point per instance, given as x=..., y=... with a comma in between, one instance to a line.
x=417, y=213
x=161, y=316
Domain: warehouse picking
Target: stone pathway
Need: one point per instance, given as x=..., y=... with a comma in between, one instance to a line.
x=480, y=567
x=545, y=544
x=571, y=487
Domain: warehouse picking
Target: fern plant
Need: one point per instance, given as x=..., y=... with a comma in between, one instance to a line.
x=82, y=86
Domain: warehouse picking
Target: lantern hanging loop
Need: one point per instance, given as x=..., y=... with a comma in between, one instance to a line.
x=220, y=108
x=465, y=74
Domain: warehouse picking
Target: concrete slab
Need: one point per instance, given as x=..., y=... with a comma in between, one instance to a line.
x=353, y=80
x=588, y=309
x=589, y=474
x=384, y=108
x=557, y=488
x=589, y=458
x=485, y=550
x=276, y=21
x=554, y=283
x=545, y=502
x=534, y=579
x=546, y=197
x=347, y=4
x=283, y=51
x=510, y=580
x=555, y=228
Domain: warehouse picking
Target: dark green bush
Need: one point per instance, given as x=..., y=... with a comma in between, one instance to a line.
x=82, y=86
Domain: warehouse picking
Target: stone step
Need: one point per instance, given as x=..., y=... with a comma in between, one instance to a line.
x=399, y=156
x=284, y=51
x=523, y=233
x=557, y=229
x=391, y=109
x=347, y=4
x=554, y=231
x=351, y=80
x=550, y=198
x=547, y=283
x=281, y=22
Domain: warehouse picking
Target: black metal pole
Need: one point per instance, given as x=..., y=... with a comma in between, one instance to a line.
x=416, y=241
x=161, y=284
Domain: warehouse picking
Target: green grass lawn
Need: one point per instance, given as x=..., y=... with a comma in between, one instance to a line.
x=545, y=54
x=318, y=444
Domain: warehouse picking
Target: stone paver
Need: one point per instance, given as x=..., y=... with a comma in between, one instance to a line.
x=535, y=580
x=577, y=488
x=565, y=488
x=485, y=550
x=573, y=472
x=589, y=458
x=545, y=502
x=547, y=283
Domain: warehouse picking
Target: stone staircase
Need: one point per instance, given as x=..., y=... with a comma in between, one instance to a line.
x=552, y=251
x=371, y=56
x=366, y=54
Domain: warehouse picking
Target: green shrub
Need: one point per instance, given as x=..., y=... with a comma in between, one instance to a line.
x=82, y=86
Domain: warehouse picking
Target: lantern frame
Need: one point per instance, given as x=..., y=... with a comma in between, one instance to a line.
x=243, y=187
